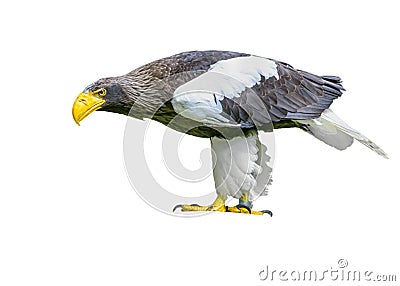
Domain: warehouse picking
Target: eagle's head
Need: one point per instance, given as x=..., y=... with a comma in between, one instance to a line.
x=106, y=94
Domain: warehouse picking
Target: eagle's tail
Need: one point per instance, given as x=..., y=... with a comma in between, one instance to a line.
x=332, y=130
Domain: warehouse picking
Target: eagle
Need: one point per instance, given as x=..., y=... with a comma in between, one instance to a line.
x=229, y=97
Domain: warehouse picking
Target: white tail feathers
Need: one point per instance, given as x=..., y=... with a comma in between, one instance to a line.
x=332, y=130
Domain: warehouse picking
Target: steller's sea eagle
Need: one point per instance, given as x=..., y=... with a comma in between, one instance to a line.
x=228, y=97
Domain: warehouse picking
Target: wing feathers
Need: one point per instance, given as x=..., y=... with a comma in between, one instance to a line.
x=285, y=92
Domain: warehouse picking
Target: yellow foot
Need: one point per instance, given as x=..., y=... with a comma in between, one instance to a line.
x=197, y=208
x=246, y=210
x=219, y=206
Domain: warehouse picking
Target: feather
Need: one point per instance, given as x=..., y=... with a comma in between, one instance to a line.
x=241, y=165
x=332, y=130
x=201, y=99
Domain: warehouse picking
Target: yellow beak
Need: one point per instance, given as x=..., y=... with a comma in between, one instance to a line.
x=85, y=104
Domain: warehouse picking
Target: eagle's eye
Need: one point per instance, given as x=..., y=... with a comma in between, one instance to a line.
x=101, y=92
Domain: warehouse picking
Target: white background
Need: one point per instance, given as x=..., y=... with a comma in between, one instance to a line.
x=68, y=215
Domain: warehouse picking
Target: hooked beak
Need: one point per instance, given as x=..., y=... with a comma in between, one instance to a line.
x=85, y=104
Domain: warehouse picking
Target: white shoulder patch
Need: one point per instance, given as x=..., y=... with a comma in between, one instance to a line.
x=199, y=99
x=247, y=70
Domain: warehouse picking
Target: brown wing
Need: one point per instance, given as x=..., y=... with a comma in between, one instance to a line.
x=295, y=95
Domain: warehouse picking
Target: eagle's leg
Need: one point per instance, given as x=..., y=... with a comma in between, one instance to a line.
x=217, y=205
x=245, y=206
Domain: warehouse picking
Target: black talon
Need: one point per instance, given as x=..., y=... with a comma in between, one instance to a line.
x=245, y=207
x=176, y=207
x=267, y=212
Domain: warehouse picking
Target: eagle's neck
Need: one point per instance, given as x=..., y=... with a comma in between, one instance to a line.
x=143, y=95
